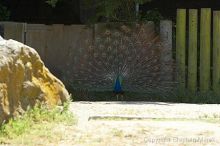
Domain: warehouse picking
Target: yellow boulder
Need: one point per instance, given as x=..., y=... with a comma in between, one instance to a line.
x=24, y=80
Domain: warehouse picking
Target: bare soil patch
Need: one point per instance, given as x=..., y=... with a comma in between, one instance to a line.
x=164, y=124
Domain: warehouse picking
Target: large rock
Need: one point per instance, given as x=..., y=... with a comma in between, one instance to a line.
x=24, y=80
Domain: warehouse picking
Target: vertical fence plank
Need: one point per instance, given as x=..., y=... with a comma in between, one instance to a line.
x=181, y=45
x=14, y=31
x=216, y=52
x=205, y=37
x=192, y=52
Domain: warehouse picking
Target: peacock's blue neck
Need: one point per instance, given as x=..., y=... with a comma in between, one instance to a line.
x=117, y=87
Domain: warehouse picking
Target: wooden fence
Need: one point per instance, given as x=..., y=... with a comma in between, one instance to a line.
x=198, y=49
x=57, y=43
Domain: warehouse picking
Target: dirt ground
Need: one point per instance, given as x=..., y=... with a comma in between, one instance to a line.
x=143, y=124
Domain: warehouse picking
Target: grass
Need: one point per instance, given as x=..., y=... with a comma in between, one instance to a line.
x=175, y=96
x=37, y=124
x=212, y=118
x=118, y=133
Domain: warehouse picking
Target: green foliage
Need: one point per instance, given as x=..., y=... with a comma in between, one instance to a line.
x=114, y=10
x=52, y=3
x=152, y=15
x=39, y=115
x=4, y=13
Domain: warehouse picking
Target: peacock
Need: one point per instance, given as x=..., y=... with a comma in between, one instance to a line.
x=120, y=61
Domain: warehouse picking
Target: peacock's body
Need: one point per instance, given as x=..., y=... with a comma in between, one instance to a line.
x=118, y=88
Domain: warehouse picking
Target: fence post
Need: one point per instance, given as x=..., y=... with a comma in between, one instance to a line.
x=216, y=52
x=205, y=37
x=166, y=52
x=192, y=50
x=181, y=45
